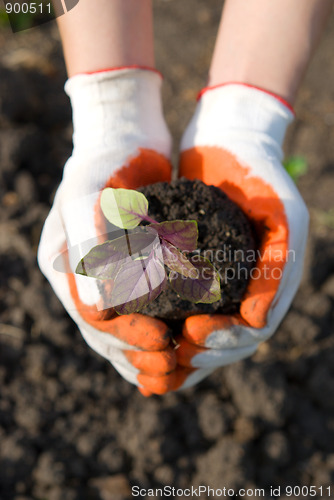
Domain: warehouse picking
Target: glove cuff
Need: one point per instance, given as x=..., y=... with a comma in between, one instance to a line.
x=248, y=85
x=118, y=108
x=237, y=108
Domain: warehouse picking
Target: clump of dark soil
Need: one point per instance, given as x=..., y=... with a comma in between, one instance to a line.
x=225, y=237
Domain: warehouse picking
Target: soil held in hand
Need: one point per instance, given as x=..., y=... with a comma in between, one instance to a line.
x=225, y=237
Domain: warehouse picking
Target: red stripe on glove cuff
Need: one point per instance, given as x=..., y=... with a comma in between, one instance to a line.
x=118, y=68
x=280, y=99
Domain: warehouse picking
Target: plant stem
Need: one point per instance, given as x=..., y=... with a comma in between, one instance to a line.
x=148, y=219
x=128, y=241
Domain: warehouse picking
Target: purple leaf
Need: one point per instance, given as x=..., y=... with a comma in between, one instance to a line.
x=205, y=288
x=137, y=284
x=182, y=234
x=101, y=262
x=140, y=240
x=176, y=261
x=104, y=261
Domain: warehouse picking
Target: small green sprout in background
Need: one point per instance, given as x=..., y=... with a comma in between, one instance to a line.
x=3, y=18
x=296, y=166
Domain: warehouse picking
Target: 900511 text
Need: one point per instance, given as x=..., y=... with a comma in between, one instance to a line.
x=28, y=8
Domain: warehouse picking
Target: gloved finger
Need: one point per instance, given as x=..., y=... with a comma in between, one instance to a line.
x=145, y=392
x=155, y=385
x=154, y=364
x=228, y=332
x=193, y=356
x=190, y=378
x=180, y=377
x=143, y=332
x=219, y=331
x=166, y=383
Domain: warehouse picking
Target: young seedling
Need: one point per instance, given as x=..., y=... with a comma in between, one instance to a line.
x=136, y=261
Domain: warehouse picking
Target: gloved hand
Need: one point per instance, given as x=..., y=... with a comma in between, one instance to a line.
x=234, y=142
x=120, y=140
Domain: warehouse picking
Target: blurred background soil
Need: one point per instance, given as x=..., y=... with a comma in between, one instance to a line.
x=70, y=427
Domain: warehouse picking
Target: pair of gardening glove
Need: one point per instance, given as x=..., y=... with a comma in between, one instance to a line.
x=121, y=141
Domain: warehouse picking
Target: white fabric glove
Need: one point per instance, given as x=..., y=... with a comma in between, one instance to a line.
x=120, y=140
x=234, y=141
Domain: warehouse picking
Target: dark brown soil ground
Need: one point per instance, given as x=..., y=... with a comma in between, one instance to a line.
x=70, y=427
x=225, y=237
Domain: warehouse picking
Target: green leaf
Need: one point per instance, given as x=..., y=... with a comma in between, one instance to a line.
x=204, y=288
x=296, y=166
x=125, y=208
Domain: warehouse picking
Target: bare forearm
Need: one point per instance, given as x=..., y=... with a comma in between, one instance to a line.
x=268, y=43
x=102, y=34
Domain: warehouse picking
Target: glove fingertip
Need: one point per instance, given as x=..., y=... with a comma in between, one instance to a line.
x=162, y=385
x=254, y=310
x=141, y=331
x=155, y=363
x=145, y=392
x=196, y=329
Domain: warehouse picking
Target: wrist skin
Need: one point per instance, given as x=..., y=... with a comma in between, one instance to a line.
x=268, y=44
x=107, y=34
